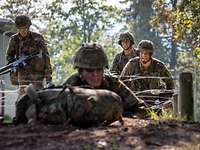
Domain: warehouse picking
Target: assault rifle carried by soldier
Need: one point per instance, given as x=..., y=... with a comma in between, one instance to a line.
x=15, y=63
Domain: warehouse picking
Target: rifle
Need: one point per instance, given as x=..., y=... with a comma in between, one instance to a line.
x=16, y=62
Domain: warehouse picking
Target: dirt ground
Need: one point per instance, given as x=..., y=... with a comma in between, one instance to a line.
x=135, y=134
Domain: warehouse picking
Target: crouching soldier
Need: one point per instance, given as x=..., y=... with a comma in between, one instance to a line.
x=153, y=81
x=82, y=107
x=90, y=61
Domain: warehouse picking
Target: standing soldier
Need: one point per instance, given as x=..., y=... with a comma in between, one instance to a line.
x=26, y=42
x=151, y=73
x=126, y=41
x=90, y=61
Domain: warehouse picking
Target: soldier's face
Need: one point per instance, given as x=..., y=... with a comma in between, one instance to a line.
x=93, y=77
x=23, y=31
x=126, y=44
x=145, y=56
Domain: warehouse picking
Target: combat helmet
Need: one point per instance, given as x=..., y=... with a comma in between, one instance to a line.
x=90, y=56
x=126, y=35
x=22, y=20
x=146, y=45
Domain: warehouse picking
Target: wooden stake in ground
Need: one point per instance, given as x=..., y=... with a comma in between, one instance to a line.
x=185, y=101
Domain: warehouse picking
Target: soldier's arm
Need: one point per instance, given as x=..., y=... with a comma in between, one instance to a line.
x=114, y=68
x=11, y=52
x=166, y=73
x=48, y=67
x=129, y=99
x=73, y=80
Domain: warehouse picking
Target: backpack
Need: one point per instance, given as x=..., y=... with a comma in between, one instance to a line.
x=83, y=107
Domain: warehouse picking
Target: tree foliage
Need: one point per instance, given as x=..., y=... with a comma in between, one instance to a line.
x=162, y=23
x=65, y=25
x=138, y=16
x=86, y=18
x=11, y=8
x=183, y=20
x=187, y=27
x=68, y=27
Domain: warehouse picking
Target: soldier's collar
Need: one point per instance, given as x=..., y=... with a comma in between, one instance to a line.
x=132, y=53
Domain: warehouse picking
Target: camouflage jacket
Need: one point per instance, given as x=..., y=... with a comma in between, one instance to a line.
x=35, y=69
x=156, y=69
x=120, y=61
x=129, y=99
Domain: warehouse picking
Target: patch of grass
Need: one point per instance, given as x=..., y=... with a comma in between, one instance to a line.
x=165, y=114
x=7, y=119
x=162, y=114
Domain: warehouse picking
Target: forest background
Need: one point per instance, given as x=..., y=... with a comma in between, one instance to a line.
x=173, y=26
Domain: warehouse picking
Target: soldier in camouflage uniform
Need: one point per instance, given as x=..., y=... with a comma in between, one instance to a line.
x=126, y=41
x=26, y=42
x=147, y=66
x=90, y=61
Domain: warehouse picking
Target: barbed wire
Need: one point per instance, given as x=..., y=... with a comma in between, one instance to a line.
x=8, y=91
x=156, y=91
x=156, y=97
x=7, y=106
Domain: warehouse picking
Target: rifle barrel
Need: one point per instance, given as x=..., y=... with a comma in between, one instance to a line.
x=5, y=68
x=7, y=71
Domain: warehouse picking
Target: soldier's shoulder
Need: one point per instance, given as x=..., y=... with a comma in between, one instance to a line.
x=158, y=62
x=134, y=60
x=136, y=51
x=111, y=78
x=118, y=55
x=14, y=36
x=74, y=79
x=37, y=36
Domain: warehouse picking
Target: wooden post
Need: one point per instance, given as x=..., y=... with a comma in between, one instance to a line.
x=175, y=105
x=185, y=100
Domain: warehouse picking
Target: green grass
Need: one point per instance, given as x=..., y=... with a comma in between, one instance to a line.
x=7, y=119
x=164, y=114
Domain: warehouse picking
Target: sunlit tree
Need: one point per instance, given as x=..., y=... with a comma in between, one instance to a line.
x=72, y=23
